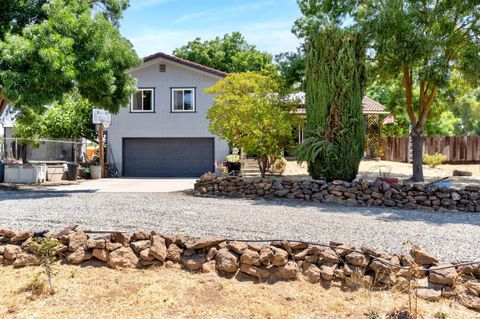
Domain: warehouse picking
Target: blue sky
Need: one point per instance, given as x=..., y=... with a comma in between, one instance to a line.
x=163, y=25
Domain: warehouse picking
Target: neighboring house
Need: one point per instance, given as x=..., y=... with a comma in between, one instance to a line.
x=164, y=131
x=374, y=115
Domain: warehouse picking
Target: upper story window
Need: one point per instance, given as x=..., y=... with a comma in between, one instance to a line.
x=142, y=101
x=183, y=100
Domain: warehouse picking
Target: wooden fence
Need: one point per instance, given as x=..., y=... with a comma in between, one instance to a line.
x=458, y=149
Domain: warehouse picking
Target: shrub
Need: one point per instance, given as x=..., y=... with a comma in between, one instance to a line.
x=434, y=160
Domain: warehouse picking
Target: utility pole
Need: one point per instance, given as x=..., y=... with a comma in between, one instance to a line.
x=100, y=145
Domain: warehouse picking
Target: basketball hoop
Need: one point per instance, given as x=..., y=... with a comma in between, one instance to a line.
x=101, y=117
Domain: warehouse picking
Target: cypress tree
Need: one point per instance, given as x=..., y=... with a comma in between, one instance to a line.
x=335, y=85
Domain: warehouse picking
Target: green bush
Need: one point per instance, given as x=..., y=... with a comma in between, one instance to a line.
x=434, y=160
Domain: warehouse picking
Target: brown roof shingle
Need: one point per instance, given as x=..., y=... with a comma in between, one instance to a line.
x=161, y=55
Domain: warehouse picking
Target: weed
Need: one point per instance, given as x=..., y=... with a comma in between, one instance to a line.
x=434, y=160
x=440, y=315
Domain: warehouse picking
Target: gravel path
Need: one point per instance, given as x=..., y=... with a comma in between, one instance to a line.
x=450, y=236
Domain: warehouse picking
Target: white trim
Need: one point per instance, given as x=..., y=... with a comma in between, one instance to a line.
x=151, y=101
x=161, y=60
x=172, y=107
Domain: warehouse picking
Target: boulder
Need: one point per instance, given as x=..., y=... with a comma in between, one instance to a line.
x=311, y=272
x=11, y=251
x=226, y=261
x=112, y=246
x=174, y=253
x=100, y=254
x=158, y=249
x=208, y=266
x=78, y=256
x=443, y=276
x=280, y=256
x=20, y=237
x=95, y=243
x=266, y=255
x=123, y=257
x=26, y=259
x=326, y=272
x=140, y=235
x=77, y=240
x=7, y=233
x=288, y=271
x=193, y=262
x=121, y=238
x=258, y=272
x=204, y=242
x=250, y=257
x=238, y=247
x=421, y=257
x=330, y=256
x=140, y=245
x=357, y=259
x=145, y=255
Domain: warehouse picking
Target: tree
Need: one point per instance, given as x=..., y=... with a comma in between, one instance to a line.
x=250, y=113
x=422, y=41
x=230, y=54
x=335, y=85
x=49, y=48
x=291, y=66
x=70, y=118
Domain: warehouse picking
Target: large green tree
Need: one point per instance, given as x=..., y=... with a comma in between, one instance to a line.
x=250, y=112
x=70, y=118
x=422, y=41
x=335, y=85
x=232, y=53
x=49, y=48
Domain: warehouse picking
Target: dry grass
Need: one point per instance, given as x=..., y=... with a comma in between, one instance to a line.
x=99, y=292
x=371, y=169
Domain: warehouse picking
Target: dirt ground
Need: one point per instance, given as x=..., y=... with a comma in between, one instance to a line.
x=100, y=292
x=372, y=168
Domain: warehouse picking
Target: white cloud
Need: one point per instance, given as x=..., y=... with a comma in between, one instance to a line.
x=274, y=37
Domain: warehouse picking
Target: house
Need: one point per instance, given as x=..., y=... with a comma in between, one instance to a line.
x=164, y=131
x=374, y=115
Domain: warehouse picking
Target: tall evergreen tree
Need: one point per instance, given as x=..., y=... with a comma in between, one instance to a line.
x=335, y=85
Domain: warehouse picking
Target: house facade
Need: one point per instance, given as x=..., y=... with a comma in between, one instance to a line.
x=164, y=131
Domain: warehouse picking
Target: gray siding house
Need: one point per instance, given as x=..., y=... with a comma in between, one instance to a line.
x=164, y=130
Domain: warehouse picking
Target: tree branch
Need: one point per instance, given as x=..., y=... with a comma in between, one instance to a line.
x=407, y=82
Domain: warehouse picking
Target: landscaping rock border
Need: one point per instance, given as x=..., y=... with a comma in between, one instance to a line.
x=336, y=264
x=357, y=193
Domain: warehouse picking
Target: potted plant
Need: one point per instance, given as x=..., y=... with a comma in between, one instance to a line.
x=233, y=162
x=94, y=167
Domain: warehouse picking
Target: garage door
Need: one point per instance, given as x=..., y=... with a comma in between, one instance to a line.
x=167, y=157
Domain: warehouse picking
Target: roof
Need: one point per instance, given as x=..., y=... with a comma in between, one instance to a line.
x=369, y=105
x=372, y=107
x=161, y=55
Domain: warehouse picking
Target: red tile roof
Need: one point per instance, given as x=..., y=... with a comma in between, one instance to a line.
x=161, y=55
x=371, y=106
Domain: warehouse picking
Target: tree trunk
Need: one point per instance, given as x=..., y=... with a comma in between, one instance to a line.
x=417, y=143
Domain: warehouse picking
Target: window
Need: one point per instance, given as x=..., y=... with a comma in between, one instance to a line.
x=142, y=101
x=183, y=100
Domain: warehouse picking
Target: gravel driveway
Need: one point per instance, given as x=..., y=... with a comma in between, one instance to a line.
x=450, y=236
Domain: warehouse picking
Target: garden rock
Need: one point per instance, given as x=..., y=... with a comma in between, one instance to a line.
x=469, y=301
x=311, y=272
x=209, y=266
x=237, y=247
x=26, y=259
x=7, y=233
x=174, y=253
x=357, y=259
x=421, y=257
x=250, y=257
x=258, y=272
x=78, y=256
x=20, y=237
x=212, y=252
x=11, y=251
x=266, y=255
x=77, y=240
x=205, y=242
x=327, y=272
x=140, y=235
x=123, y=257
x=120, y=238
x=288, y=271
x=193, y=262
x=158, y=249
x=140, y=245
x=226, y=261
x=96, y=243
x=145, y=255
x=429, y=294
x=443, y=276
x=280, y=256
x=330, y=256
x=100, y=254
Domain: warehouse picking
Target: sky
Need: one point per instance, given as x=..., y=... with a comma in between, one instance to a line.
x=163, y=25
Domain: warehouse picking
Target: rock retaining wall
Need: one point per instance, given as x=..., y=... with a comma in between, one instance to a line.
x=360, y=193
x=336, y=264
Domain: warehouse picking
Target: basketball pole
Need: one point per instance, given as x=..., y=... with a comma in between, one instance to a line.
x=100, y=145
